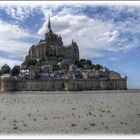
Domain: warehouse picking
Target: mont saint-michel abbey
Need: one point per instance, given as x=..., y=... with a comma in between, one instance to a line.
x=51, y=65
x=51, y=49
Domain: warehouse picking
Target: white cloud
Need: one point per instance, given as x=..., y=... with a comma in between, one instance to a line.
x=8, y=31
x=18, y=13
x=110, y=36
x=117, y=58
x=12, y=41
x=91, y=35
x=95, y=36
x=21, y=10
x=10, y=62
x=42, y=3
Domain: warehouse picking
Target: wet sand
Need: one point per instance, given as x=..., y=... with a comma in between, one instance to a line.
x=85, y=112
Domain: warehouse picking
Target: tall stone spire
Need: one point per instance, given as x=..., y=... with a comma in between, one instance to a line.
x=49, y=24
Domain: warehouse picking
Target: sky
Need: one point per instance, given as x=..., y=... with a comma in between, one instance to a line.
x=108, y=33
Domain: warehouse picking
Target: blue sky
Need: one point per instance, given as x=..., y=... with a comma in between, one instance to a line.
x=107, y=33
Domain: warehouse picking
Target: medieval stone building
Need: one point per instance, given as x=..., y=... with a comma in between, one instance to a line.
x=51, y=50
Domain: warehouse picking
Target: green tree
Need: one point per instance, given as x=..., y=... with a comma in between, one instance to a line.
x=29, y=62
x=97, y=67
x=78, y=63
x=60, y=58
x=56, y=67
x=15, y=70
x=88, y=62
x=82, y=63
x=5, y=69
x=82, y=60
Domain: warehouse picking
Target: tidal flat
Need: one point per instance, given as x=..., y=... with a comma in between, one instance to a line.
x=59, y=112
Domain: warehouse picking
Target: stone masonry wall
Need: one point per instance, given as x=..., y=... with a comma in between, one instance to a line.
x=63, y=85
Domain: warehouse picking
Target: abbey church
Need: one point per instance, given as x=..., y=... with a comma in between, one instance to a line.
x=51, y=50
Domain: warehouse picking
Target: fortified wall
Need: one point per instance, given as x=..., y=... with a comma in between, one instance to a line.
x=9, y=84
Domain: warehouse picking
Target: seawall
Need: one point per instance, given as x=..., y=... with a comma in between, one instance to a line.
x=9, y=84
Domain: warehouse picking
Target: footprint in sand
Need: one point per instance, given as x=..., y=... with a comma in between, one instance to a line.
x=92, y=124
x=106, y=127
x=131, y=120
x=15, y=128
x=102, y=123
x=29, y=114
x=56, y=117
x=90, y=106
x=73, y=125
x=85, y=128
x=118, y=109
x=73, y=114
x=138, y=115
x=15, y=121
x=45, y=118
x=25, y=125
x=34, y=119
x=131, y=103
x=100, y=115
x=4, y=118
x=89, y=113
x=73, y=108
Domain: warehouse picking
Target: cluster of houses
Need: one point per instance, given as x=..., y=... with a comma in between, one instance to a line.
x=46, y=72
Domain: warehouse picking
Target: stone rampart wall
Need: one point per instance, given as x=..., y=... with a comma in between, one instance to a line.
x=60, y=85
x=36, y=85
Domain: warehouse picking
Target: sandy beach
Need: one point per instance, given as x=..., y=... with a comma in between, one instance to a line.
x=85, y=112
